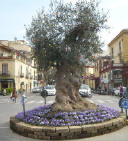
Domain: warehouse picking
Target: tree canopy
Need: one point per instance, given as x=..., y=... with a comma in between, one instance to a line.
x=66, y=32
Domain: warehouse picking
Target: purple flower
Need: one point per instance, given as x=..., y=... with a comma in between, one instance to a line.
x=43, y=116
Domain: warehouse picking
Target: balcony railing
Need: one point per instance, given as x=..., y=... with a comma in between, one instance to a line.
x=22, y=75
x=5, y=74
x=6, y=57
x=117, y=65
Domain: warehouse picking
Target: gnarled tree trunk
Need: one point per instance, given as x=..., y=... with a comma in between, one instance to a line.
x=68, y=82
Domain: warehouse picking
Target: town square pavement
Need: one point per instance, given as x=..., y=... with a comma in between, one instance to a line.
x=9, y=108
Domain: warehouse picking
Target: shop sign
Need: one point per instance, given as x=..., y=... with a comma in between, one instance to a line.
x=117, y=65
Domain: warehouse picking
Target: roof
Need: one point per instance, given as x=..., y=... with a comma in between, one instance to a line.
x=5, y=47
x=120, y=34
x=21, y=52
x=17, y=44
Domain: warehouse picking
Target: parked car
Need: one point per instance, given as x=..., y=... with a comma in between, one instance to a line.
x=117, y=91
x=111, y=91
x=51, y=91
x=101, y=91
x=2, y=93
x=36, y=90
x=85, y=91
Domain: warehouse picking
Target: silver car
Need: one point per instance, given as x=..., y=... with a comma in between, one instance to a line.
x=36, y=90
x=85, y=91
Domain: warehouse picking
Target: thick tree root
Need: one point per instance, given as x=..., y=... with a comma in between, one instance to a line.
x=74, y=106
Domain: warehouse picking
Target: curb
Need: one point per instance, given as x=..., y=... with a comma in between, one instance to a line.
x=66, y=132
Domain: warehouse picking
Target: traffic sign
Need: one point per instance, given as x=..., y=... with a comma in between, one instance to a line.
x=124, y=103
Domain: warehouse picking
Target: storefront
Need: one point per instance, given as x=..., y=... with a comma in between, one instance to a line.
x=7, y=83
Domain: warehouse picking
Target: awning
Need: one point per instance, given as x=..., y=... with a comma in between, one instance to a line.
x=6, y=80
x=35, y=82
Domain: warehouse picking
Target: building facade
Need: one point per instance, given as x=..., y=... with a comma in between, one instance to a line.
x=17, y=68
x=118, y=49
x=89, y=76
x=102, y=72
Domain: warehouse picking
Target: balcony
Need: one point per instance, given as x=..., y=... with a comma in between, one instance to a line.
x=6, y=57
x=5, y=74
x=22, y=75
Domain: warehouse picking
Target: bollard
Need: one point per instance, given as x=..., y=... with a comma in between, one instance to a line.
x=23, y=103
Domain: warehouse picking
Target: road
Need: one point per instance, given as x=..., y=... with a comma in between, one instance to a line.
x=9, y=108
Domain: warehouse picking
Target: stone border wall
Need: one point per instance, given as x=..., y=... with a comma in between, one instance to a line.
x=67, y=132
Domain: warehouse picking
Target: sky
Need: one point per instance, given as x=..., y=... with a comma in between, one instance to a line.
x=15, y=14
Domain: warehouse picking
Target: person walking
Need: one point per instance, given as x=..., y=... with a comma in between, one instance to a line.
x=105, y=88
x=14, y=95
x=121, y=91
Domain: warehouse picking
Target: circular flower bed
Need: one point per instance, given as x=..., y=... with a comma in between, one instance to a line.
x=42, y=116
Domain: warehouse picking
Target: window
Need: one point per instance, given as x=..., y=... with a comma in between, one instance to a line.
x=34, y=75
x=21, y=69
x=104, y=75
x=97, y=66
x=120, y=47
x=5, y=68
x=112, y=52
x=105, y=63
x=1, y=53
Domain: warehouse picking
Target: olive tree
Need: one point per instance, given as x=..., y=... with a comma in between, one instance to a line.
x=65, y=38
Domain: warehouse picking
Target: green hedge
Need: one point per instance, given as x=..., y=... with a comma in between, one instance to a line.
x=8, y=90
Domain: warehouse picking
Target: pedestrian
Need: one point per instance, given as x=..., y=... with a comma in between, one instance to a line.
x=23, y=92
x=14, y=95
x=11, y=96
x=121, y=91
x=44, y=94
x=120, y=102
x=105, y=88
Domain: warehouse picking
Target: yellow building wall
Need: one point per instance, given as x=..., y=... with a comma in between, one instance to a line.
x=15, y=63
x=123, y=38
x=11, y=70
x=89, y=82
x=27, y=81
x=96, y=69
x=115, y=47
x=11, y=66
x=125, y=48
x=14, y=69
